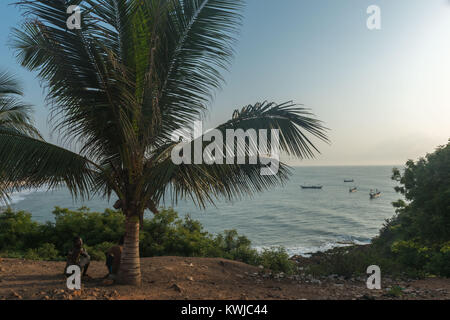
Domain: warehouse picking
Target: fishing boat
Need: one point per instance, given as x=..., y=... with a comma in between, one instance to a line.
x=374, y=195
x=352, y=190
x=312, y=187
x=349, y=180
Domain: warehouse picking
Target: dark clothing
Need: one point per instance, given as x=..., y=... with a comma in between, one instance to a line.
x=113, y=257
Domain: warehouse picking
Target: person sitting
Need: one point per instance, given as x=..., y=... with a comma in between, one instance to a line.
x=78, y=256
x=113, y=257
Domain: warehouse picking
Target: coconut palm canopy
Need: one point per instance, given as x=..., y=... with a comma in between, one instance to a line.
x=135, y=72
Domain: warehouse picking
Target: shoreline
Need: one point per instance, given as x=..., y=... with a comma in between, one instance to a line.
x=328, y=246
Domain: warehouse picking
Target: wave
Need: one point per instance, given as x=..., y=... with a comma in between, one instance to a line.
x=17, y=197
x=307, y=251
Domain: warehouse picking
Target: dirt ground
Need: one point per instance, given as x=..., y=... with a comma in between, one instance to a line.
x=168, y=278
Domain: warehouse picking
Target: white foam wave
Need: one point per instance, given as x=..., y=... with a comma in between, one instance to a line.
x=17, y=197
x=306, y=251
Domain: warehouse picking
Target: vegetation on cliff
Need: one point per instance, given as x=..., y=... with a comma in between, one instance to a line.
x=164, y=235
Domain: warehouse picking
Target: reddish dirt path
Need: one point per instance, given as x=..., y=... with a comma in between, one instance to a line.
x=168, y=278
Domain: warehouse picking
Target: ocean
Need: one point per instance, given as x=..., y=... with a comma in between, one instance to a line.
x=302, y=221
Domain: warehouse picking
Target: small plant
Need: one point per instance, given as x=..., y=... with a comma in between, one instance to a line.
x=47, y=251
x=277, y=260
x=395, y=292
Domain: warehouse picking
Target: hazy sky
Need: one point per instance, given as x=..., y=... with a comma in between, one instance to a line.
x=385, y=94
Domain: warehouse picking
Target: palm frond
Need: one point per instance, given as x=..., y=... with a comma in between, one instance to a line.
x=205, y=183
x=87, y=90
x=192, y=43
x=294, y=123
x=14, y=114
x=26, y=162
x=9, y=85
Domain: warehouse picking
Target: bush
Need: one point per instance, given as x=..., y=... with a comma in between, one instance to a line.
x=98, y=251
x=17, y=231
x=165, y=234
x=20, y=237
x=32, y=254
x=277, y=260
x=45, y=252
x=235, y=247
x=418, y=235
x=411, y=253
x=353, y=261
x=48, y=252
x=440, y=262
x=11, y=254
x=93, y=227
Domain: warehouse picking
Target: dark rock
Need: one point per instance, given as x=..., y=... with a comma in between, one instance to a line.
x=176, y=287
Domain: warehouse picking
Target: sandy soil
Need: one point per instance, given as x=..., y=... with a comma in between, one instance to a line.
x=170, y=278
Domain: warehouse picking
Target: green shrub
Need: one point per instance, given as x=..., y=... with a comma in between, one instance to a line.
x=277, y=260
x=12, y=254
x=352, y=261
x=167, y=234
x=47, y=252
x=17, y=231
x=162, y=235
x=98, y=252
x=418, y=236
x=411, y=253
x=93, y=227
x=395, y=292
x=235, y=247
x=248, y=255
x=439, y=264
x=31, y=254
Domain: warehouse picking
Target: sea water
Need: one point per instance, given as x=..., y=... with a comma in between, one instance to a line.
x=300, y=220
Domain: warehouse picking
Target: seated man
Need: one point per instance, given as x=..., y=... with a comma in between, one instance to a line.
x=78, y=256
x=113, y=259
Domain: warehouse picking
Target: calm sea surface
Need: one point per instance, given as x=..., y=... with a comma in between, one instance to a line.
x=301, y=220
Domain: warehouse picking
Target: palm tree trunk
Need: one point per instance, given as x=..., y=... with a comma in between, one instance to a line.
x=130, y=264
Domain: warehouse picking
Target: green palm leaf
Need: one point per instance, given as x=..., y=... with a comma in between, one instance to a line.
x=205, y=183
x=14, y=114
x=26, y=162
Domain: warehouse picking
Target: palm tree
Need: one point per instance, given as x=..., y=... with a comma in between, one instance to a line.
x=135, y=72
x=14, y=114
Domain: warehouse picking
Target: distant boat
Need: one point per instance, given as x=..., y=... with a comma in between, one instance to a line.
x=349, y=180
x=312, y=187
x=353, y=189
x=374, y=195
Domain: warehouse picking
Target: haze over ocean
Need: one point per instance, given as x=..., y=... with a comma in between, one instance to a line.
x=300, y=220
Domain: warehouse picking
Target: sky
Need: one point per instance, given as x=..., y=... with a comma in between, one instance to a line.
x=384, y=94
